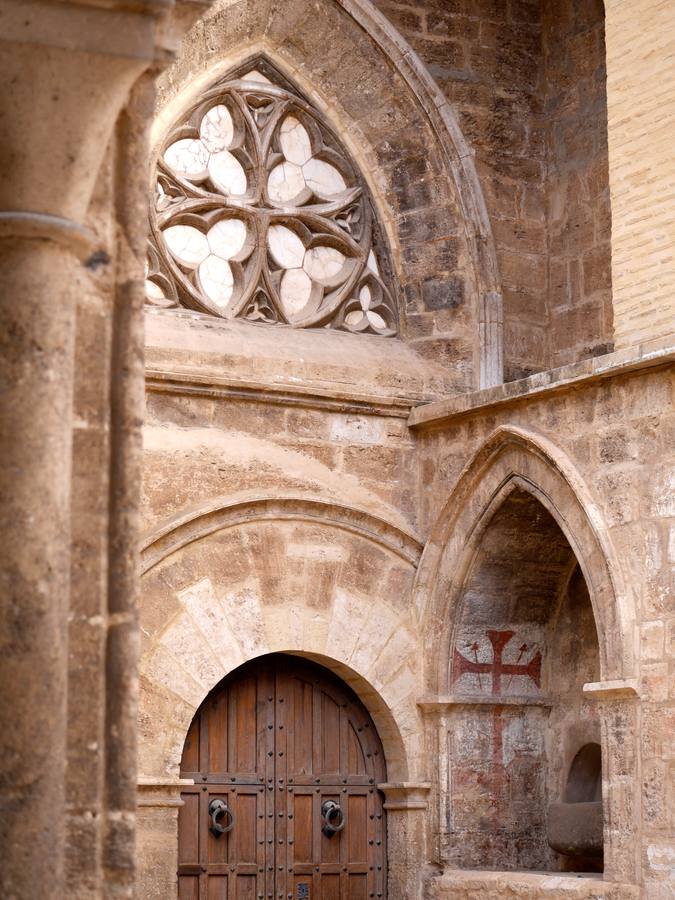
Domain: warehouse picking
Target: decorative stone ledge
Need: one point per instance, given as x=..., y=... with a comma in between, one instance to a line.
x=622, y=689
x=611, y=365
x=459, y=883
x=163, y=792
x=405, y=795
x=193, y=354
x=447, y=704
x=184, y=383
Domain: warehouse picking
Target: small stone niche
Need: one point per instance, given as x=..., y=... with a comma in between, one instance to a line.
x=575, y=825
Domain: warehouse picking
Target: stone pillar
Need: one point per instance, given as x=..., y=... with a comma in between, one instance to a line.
x=157, y=840
x=68, y=69
x=38, y=277
x=619, y=710
x=407, y=852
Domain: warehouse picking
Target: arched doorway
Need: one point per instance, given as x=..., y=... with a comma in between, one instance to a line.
x=285, y=761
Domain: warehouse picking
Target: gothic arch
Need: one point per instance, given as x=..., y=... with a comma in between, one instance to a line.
x=364, y=77
x=515, y=459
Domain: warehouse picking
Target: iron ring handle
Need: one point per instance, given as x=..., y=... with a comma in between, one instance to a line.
x=217, y=809
x=333, y=817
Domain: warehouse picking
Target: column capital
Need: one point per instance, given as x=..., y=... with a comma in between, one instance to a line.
x=405, y=794
x=164, y=792
x=69, y=67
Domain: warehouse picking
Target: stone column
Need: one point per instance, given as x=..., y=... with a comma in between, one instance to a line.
x=68, y=69
x=407, y=851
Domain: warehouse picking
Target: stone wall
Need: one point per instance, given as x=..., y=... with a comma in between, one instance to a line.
x=611, y=440
x=527, y=82
x=578, y=207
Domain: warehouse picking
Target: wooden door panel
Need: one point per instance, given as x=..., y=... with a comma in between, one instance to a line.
x=274, y=742
x=188, y=830
x=328, y=738
x=356, y=835
x=188, y=887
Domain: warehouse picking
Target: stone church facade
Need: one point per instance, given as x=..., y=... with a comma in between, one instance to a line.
x=337, y=526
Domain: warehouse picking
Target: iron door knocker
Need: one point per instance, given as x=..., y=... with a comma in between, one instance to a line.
x=217, y=809
x=332, y=817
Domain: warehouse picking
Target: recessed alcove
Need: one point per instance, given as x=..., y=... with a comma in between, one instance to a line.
x=574, y=826
x=524, y=645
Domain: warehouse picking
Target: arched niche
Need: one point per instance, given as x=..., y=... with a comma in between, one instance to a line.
x=358, y=73
x=520, y=574
x=515, y=458
x=523, y=645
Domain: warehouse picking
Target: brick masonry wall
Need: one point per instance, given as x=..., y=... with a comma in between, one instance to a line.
x=641, y=105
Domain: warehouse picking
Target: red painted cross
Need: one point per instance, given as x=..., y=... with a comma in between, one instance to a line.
x=499, y=639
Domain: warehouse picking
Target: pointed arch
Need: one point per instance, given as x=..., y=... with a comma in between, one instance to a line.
x=517, y=459
x=359, y=71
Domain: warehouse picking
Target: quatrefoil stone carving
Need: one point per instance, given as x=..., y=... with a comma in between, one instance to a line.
x=259, y=213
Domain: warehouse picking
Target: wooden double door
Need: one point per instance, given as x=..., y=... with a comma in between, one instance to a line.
x=285, y=761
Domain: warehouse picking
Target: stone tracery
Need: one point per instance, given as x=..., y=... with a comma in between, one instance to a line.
x=259, y=214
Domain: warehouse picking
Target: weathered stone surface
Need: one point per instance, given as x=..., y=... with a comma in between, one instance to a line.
x=491, y=571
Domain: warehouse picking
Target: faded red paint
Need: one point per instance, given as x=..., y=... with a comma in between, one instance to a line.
x=496, y=669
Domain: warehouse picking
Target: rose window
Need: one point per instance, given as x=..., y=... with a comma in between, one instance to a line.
x=259, y=214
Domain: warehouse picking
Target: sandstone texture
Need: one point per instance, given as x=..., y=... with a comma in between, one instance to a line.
x=462, y=506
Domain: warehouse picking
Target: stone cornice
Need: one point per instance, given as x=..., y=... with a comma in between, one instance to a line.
x=440, y=413
x=307, y=396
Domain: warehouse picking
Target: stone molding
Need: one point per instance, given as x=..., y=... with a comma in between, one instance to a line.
x=405, y=795
x=223, y=513
x=43, y=226
x=473, y=883
x=448, y=704
x=620, y=689
x=161, y=792
x=194, y=384
x=635, y=359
